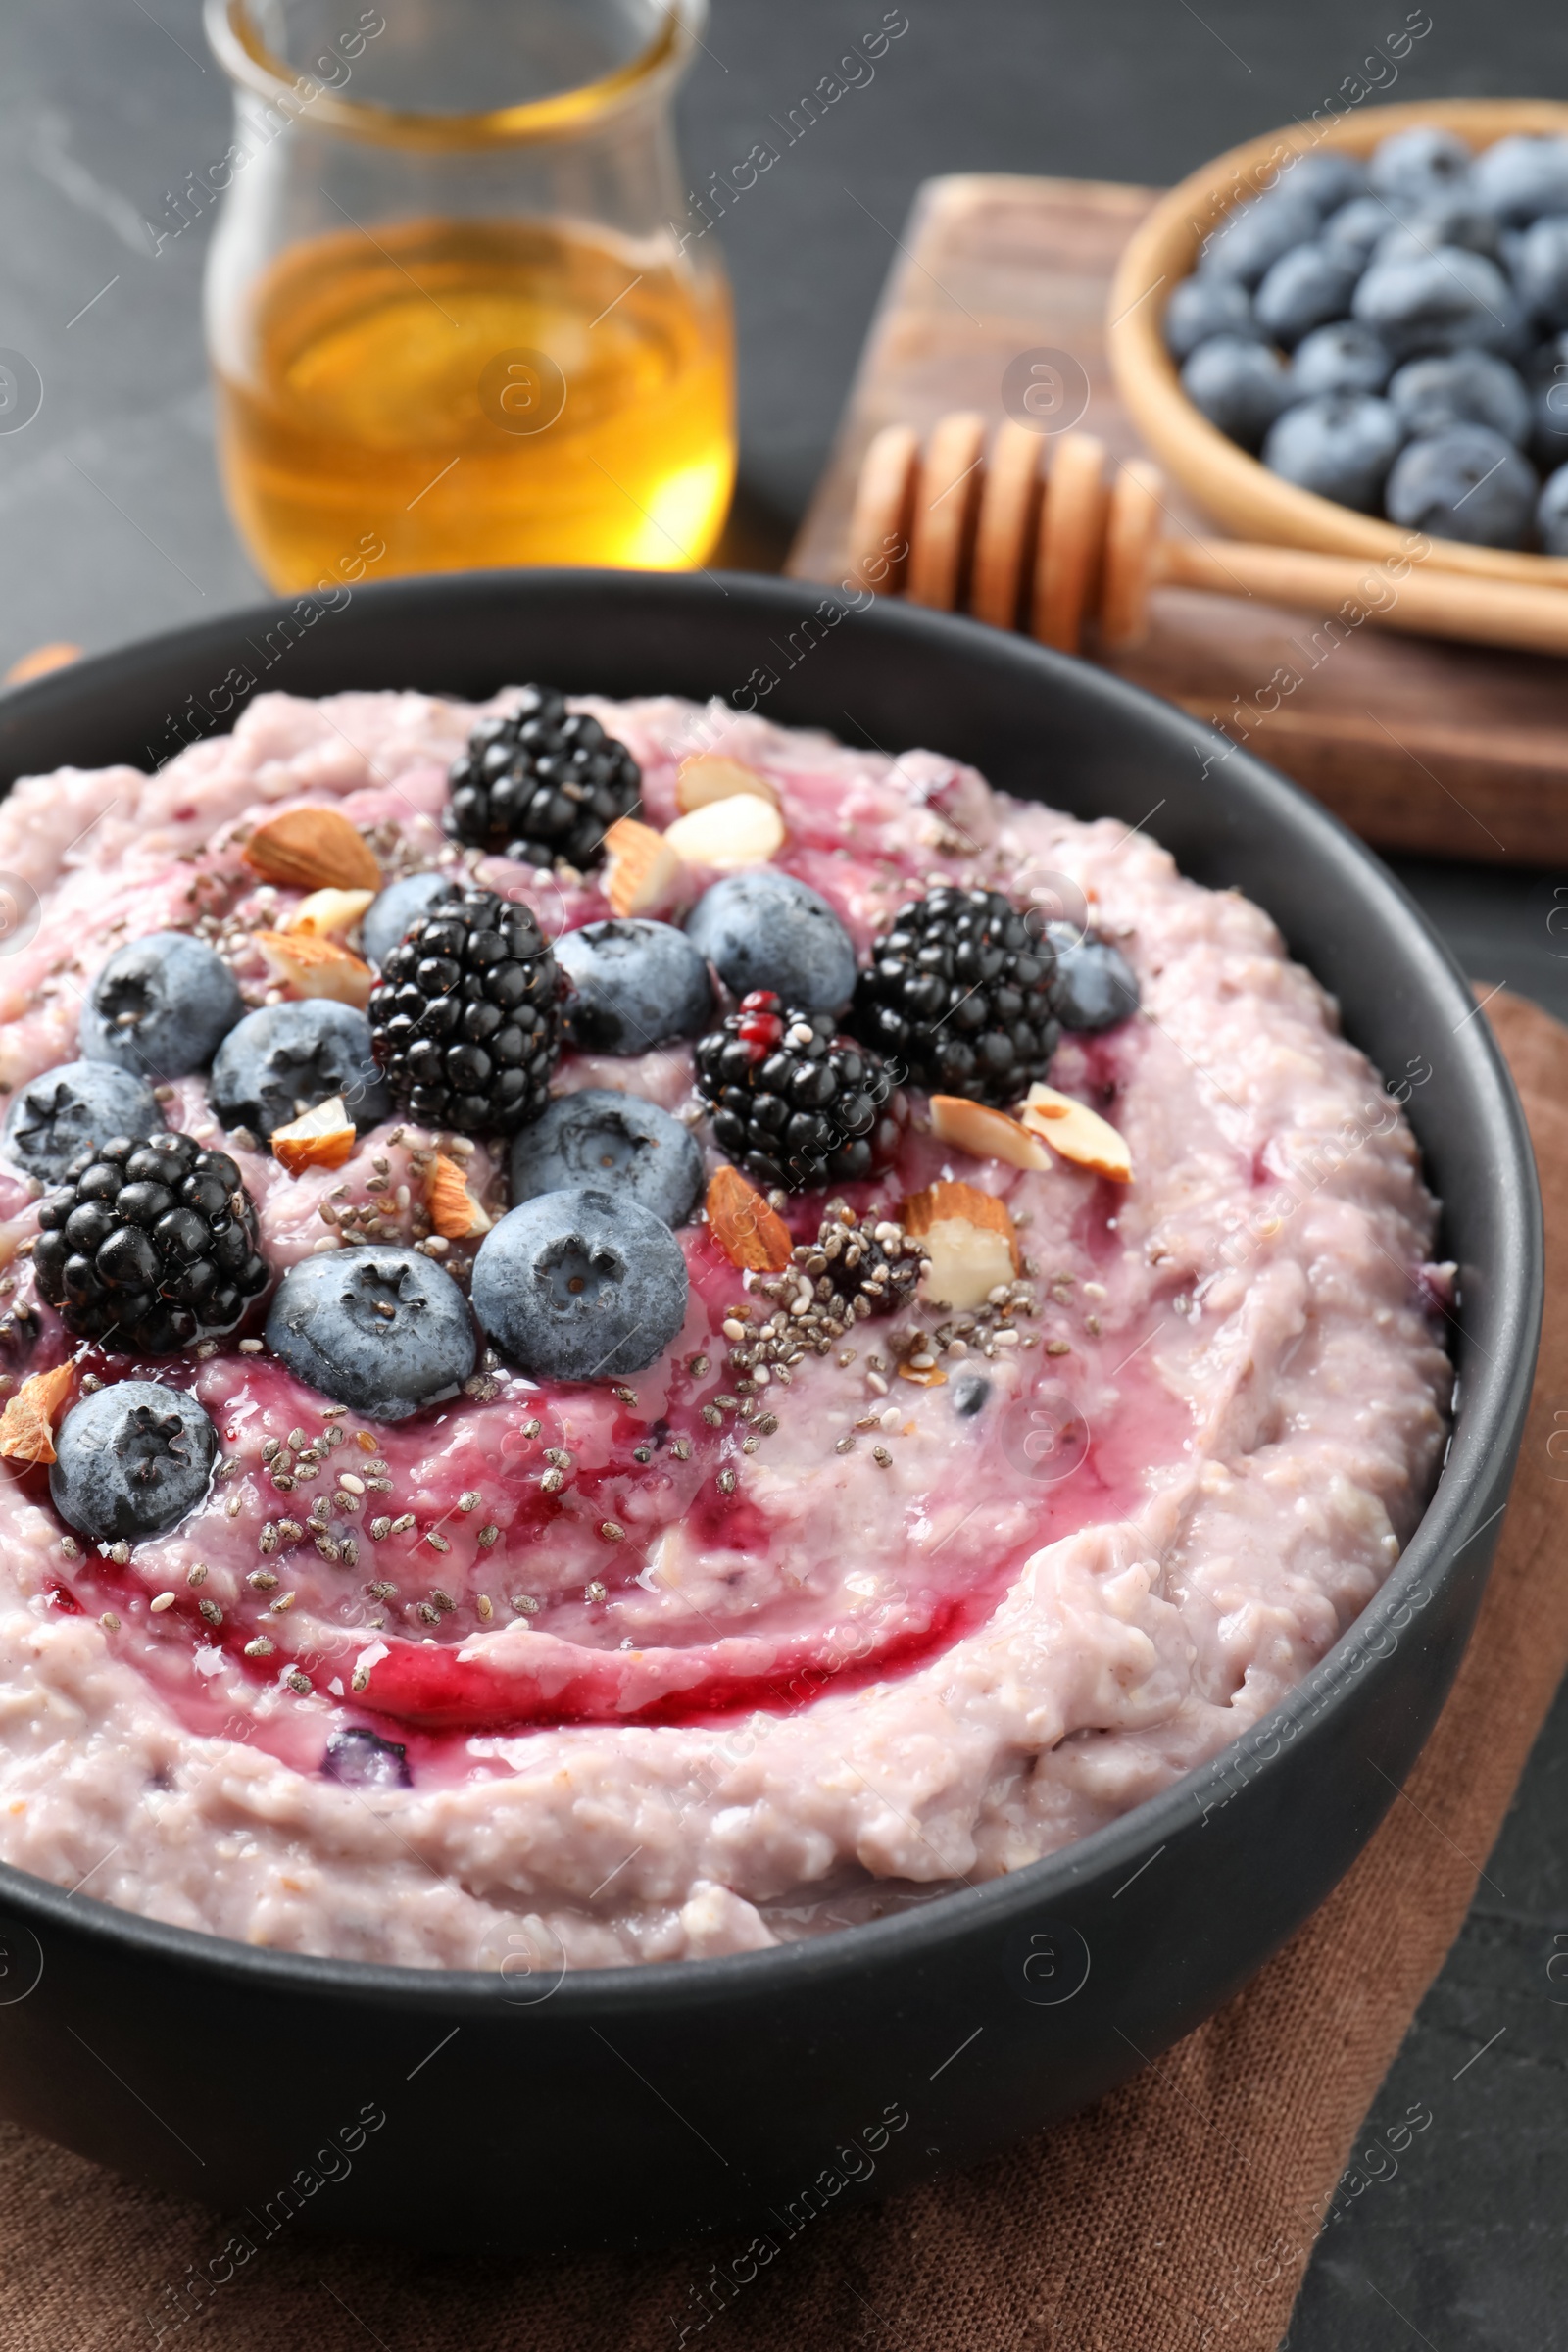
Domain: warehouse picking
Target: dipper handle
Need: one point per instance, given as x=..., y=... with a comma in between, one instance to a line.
x=961, y=529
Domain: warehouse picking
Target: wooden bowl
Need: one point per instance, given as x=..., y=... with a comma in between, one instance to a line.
x=1251, y=502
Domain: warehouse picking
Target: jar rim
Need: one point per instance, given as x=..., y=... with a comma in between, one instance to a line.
x=244, y=56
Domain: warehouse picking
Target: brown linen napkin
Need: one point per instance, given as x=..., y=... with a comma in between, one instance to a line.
x=1176, y=2215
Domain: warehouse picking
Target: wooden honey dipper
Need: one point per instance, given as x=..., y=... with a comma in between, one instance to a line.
x=1054, y=554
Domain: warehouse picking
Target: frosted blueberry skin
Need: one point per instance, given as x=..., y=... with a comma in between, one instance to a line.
x=1094, y=986
x=1202, y=308
x=398, y=908
x=1340, y=447
x=1552, y=513
x=383, y=1330
x=1519, y=179
x=160, y=1007
x=763, y=929
x=1328, y=179
x=1452, y=220
x=1468, y=483
x=131, y=1461
x=1541, y=271
x=1460, y=387
x=580, y=1284
x=634, y=984
x=55, y=1117
x=1358, y=226
x=1416, y=167
x=1306, y=287
x=286, y=1054
x=1252, y=238
x=1447, y=300
x=1239, y=386
x=1341, y=357
x=599, y=1136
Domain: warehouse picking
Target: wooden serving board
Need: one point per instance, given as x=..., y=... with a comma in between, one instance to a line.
x=1449, y=749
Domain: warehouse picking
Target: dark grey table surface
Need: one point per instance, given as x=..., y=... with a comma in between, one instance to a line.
x=112, y=526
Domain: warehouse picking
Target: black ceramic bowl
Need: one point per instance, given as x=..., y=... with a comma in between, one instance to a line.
x=525, y=2111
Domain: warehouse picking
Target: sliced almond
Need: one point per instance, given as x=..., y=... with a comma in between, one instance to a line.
x=746, y=1228
x=27, y=1426
x=316, y=967
x=709, y=776
x=642, y=872
x=933, y=1377
x=729, y=834
x=985, y=1134
x=1078, y=1133
x=453, y=1211
x=971, y=1244
x=313, y=848
x=321, y=1137
x=329, y=914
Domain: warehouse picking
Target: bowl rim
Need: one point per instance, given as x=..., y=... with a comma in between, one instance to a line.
x=1235, y=487
x=1448, y=1527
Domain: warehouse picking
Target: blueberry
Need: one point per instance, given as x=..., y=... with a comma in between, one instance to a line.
x=383, y=1330
x=131, y=1461
x=1202, y=308
x=634, y=985
x=361, y=1760
x=970, y=1393
x=1328, y=179
x=1460, y=387
x=1522, y=177
x=55, y=1117
x=1343, y=357
x=289, y=1058
x=399, y=907
x=1548, y=400
x=1541, y=269
x=1552, y=513
x=1341, y=446
x=1415, y=165
x=159, y=1006
x=1252, y=238
x=1305, y=288
x=1447, y=300
x=1094, y=986
x=1239, y=386
x=763, y=929
x=1451, y=221
x=599, y=1136
x=1468, y=483
x=1359, y=226
x=580, y=1284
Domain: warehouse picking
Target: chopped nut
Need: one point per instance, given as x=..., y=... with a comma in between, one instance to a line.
x=322, y=1138
x=641, y=871
x=747, y=1231
x=316, y=967
x=329, y=914
x=261, y=1648
x=310, y=849
x=706, y=776
x=454, y=1212
x=27, y=1426
x=729, y=834
x=984, y=1133
x=1077, y=1133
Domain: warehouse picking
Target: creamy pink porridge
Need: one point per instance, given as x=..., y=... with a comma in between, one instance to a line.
x=823, y=1609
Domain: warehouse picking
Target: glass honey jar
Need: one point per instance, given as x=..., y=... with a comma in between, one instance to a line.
x=453, y=314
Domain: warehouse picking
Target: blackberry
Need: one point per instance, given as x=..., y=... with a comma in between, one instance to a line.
x=151, y=1245
x=543, y=784
x=793, y=1104
x=465, y=1020
x=959, y=992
